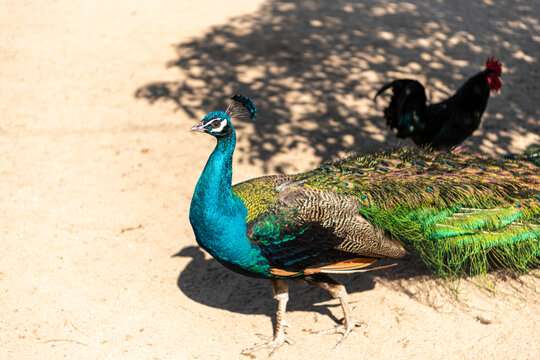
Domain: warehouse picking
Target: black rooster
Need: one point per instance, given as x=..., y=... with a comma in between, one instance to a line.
x=447, y=123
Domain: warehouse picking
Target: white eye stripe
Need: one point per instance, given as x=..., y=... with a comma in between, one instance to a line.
x=221, y=126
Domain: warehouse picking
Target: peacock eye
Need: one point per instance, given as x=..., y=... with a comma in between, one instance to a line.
x=216, y=124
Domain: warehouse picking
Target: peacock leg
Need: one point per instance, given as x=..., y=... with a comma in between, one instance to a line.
x=281, y=294
x=337, y=290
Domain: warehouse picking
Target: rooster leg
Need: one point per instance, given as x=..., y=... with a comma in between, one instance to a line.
x=281, y=294
x=337, y=290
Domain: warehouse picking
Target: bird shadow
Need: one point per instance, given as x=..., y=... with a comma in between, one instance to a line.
x=313, y=67
x=208, y=282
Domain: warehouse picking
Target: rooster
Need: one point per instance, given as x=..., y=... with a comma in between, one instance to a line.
x=445, y=124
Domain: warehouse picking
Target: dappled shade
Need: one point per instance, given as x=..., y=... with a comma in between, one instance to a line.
x=313, y=66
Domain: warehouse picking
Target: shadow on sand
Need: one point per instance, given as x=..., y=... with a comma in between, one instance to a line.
x=313, y=67
x=208, y=282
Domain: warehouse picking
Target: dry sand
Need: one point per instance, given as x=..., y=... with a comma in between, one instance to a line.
x=98, y=168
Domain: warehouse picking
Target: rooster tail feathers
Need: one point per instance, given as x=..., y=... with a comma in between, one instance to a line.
x=406, y=111
x=384, y=88
x=402, y=87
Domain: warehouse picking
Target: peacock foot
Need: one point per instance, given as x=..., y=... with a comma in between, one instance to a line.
x=344, y=329
x=272, y=343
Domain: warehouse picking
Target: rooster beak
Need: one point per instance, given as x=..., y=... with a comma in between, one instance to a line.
x=199, y=127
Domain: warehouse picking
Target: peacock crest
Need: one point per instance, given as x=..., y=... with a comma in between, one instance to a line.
x=241, y=106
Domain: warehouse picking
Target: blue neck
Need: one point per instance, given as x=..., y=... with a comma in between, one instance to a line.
x=216, y=178
x=217, y=215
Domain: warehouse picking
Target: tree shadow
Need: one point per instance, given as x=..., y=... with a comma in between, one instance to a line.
x=313, y=67
x=208, y=282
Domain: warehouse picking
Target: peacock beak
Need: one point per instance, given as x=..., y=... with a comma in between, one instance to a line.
x=199, y=127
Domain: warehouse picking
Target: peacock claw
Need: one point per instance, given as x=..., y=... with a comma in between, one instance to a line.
x=273, y=344
x=344, y=330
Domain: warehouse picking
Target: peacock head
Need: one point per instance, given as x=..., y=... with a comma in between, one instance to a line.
x=218, y=123
x=494, y=71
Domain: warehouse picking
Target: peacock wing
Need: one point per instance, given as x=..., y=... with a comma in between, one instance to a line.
x=307, y=230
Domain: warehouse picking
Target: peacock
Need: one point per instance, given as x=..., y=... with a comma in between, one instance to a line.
x=460, y=213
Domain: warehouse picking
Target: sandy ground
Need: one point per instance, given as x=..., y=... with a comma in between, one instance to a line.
x=98, y=168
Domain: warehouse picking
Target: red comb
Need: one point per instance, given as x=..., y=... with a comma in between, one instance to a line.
x=493, y=64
